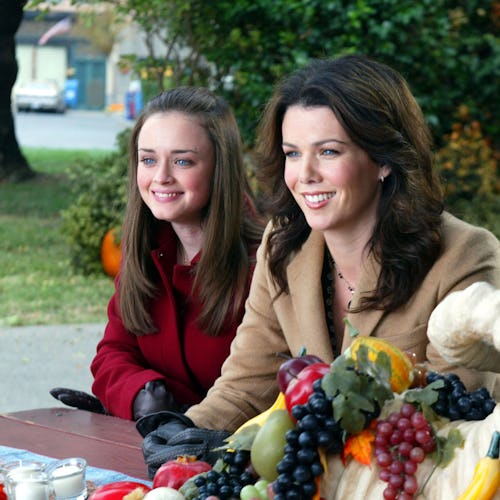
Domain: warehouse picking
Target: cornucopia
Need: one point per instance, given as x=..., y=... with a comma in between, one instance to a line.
x=465, y=329
x=359, y=430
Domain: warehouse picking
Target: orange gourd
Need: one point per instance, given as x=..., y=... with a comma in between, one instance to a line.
x=401, y=365
x=111, y=253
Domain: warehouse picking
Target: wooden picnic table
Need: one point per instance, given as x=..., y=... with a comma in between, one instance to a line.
x=104, y=441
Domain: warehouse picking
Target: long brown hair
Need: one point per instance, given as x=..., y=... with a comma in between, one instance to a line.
x=231, y=224
x=376, y=108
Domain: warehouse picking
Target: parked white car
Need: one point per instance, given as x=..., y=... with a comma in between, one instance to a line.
x=38, y=95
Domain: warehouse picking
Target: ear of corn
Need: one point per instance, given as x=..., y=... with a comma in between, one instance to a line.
x=279, y=404
x=486, y=478
x=401, y=365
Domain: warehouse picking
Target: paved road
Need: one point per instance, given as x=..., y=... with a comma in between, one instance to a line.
x=75, y=129
x=34, y=359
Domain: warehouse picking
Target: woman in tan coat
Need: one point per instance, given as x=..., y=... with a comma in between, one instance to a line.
x=358, y=231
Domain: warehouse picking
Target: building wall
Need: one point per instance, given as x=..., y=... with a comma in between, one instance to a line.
x=64, y=56
x=41, y=63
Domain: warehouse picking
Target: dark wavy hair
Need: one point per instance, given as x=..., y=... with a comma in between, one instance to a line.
x=377, y=110
x=231, y=223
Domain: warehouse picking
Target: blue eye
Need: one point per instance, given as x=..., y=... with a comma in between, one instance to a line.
x=183, y=162
x=147, y=161
x=291, y=154
x=330, y=152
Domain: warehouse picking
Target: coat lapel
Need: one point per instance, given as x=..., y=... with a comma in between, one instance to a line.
x=304, y=278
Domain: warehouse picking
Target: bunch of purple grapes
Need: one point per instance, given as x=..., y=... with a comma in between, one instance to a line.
x=229, y=482
x=301, y=465
x=401, y=442
x=456, y=403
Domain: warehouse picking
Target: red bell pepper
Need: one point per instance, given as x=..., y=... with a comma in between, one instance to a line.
x=117, y=490
x=299, y=389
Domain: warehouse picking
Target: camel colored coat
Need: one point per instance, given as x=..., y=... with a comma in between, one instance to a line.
x=247, y=385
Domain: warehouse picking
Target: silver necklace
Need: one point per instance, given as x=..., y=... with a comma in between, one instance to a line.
x=341, y=276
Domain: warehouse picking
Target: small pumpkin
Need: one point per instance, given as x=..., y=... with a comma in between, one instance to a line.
x=401, y=365
x=111, y=253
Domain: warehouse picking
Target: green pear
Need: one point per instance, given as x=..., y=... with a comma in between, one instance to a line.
x=269, y=443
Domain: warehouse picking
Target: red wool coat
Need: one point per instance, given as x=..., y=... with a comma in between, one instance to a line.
x=180, y=353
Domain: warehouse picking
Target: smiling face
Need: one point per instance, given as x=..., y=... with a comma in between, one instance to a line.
x=175, y=167
x=334, y=181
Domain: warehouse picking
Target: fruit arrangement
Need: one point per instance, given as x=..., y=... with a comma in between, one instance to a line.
x=333, y=425
x=358, y=428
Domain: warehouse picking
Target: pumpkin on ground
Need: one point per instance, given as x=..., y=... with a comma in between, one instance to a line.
x=111, y=253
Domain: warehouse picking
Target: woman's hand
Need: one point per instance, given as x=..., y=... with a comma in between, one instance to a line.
x=152, y=398
x=168, y=435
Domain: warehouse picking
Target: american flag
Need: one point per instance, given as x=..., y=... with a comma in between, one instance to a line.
x=63, y=26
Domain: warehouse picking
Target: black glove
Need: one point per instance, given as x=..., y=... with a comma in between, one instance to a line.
x=78, y=399
x=152, y=398
x=174, y=435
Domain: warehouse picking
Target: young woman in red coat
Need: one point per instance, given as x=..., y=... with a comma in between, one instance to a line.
x=190, y=236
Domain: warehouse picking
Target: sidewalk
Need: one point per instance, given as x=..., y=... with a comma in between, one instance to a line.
x=35, y=359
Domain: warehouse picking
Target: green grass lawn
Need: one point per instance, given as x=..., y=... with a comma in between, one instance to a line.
x=37, y=284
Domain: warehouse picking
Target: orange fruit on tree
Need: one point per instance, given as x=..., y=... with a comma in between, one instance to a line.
x=111, y=253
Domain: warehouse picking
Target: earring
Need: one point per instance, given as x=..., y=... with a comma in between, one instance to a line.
x=381, y=179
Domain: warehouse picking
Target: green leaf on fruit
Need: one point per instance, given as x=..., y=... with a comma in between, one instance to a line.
x=241, y=440
x=347, y=411
x=381, y=393
x=357, y=388
x=352, y=330
x=344, y=382
x=189, y=488
x=219, y=465
x=360, y=402
x=339, y=407
x=380, y=369
x=446, y=447
x=354, y=422
x=427, y=395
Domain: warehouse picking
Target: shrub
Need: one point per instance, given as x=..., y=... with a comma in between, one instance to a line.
x=469, y=171
x=467, y=162
x=100, y=188
x=481, y=211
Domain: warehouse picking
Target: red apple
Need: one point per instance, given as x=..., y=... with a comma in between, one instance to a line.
x=175, y=473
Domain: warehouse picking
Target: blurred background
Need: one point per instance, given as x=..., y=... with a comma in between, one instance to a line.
x=85, y=69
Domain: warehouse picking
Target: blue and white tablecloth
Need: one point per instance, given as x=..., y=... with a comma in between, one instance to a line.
x=93, y=474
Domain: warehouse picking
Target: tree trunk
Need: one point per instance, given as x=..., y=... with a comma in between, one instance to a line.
x=13, y=165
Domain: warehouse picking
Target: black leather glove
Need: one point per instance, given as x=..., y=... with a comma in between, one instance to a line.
x=169, y=435
x=152, y=398
x=78, y=399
